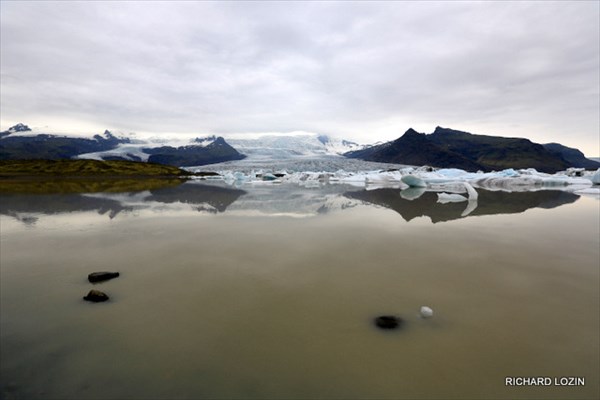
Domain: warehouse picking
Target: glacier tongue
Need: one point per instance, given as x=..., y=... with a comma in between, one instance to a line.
x=283, y=147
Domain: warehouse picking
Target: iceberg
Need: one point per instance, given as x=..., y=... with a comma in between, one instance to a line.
x=268, y=177
x=312, y=173
x=596, y=178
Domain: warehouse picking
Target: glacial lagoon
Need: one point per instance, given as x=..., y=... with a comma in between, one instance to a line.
x=270, y=291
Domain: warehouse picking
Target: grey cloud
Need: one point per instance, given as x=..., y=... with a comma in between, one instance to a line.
x=361, y=70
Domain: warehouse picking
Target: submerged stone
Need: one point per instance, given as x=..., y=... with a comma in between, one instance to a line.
x=96, y=296
x=102, y=276
x=388, y=322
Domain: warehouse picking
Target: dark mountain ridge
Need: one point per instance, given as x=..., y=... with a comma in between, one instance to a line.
x=448, y=148
x=218, y=151
x=573, y=156
x=415, y=148
x=52, y=147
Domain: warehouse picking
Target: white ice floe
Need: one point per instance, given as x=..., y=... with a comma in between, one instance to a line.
x=449, y=181
x=596, y=178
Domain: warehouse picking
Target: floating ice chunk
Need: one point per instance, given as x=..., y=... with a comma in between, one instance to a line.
x=575, y=171
x=239, y=176
x=426, y=312
x=596, y=178
x=268, y=177
x=509, y=172
x=528, y=171
x=413, y=181
x=451, y=172
x=450, y=198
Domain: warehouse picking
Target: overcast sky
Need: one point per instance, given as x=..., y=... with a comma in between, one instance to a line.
x=362, y=71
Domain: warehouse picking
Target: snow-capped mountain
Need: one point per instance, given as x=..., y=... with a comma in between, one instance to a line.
x=138, y=149
x=20, y=143
x=171, y=151
x=280, y=147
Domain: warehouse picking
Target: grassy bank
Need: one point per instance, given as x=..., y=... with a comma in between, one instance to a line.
x=85, y=168
x=85, y=185
x=85, y=176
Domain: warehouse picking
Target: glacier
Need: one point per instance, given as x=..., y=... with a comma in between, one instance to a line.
x=266, y=148
x=283, y=147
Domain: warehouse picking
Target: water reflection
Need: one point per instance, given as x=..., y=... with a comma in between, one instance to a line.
x=413, y=203
x=217, y=198
x=275, y=200
x=28, y=207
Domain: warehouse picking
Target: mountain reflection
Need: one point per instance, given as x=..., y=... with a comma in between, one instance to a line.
x=21, y=206
x=413, y=203
x=28, y=207
x=217, y=197
x=274, y=200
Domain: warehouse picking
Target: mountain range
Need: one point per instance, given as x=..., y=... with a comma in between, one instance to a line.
x=19, y=142
x=448, y=148
x=444, y=148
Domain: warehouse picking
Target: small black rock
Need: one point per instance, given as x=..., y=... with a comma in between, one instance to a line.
x=96, y=296
x=388, y=322
x=95, y=277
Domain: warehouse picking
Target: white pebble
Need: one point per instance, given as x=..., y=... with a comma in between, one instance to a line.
x=426, y=312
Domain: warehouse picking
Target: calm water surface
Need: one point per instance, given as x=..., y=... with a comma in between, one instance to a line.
x=270, y=292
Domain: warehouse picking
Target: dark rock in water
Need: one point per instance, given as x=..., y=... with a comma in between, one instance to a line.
x=388, y=322
x=95, y=277
x=96, y=296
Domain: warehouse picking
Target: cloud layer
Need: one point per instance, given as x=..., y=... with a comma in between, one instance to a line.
x=364, y=71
